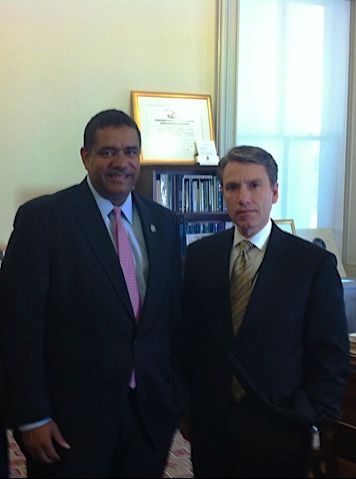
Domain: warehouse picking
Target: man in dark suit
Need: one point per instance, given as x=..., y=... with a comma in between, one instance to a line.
x=263, y=373
x=91, y=382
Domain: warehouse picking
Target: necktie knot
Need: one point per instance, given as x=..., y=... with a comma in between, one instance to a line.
x=117, y=213
x=245, y=246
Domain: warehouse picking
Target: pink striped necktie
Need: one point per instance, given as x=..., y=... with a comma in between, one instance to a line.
x=125, y=254
x=126, y=258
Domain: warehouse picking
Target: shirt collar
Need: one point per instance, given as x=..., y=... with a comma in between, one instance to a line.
x=105, y=206
x=259, y=239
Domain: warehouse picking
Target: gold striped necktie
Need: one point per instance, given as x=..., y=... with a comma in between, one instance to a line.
x=240, y=291
x=241, y=283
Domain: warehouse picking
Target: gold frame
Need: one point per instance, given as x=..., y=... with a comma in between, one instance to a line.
x=286, y=225
x=156, y=115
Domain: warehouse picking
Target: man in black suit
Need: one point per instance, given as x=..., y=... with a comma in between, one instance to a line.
x=92, y=385
x=260, y=383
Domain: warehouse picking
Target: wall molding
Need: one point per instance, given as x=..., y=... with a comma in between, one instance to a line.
x=349, y=233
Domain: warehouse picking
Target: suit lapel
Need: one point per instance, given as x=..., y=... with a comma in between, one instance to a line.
x=151, y=231
x=271, y=269
x=91, y=223
x=220, y=267
x=214, y=277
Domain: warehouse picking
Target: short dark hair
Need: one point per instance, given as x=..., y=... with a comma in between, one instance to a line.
x=250, y=154
x=107, y=118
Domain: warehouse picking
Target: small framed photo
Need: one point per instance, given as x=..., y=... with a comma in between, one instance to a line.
x=171, y=124
x=325, y=238
x=286, y=225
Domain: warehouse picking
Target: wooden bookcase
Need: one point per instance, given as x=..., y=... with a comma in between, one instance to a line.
x=193, y=192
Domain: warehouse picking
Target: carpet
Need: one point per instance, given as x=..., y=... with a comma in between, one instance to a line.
x=178, y=463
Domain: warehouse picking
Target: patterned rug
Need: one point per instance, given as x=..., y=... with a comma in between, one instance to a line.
x=178, y=464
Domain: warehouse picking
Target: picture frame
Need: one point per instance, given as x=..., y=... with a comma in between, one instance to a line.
x=325, y=238
x=171, y=124
x=286, y=225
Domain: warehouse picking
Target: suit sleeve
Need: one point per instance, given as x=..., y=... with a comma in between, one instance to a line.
x=189, y=332
x=24, y=282
x=177, y=339
x=327, y=344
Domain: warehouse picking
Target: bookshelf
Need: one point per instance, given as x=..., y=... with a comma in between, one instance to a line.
x=193, y=192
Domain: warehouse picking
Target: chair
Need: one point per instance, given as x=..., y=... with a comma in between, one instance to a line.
x=337, y=450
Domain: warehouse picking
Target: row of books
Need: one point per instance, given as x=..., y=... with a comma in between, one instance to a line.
x=189, y=193
x=192, y=231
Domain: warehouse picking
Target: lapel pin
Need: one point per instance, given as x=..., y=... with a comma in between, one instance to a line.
x=153, y=228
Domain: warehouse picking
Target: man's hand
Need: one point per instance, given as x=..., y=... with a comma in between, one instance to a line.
x=40, y=442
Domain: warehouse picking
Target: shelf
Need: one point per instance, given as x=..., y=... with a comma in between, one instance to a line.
x=203, y=216
x=193, y=192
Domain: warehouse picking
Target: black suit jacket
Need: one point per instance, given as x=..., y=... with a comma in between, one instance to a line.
x=291, y=351
x=69, y=338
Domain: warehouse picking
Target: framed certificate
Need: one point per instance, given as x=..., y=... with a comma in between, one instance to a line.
x=171, y=124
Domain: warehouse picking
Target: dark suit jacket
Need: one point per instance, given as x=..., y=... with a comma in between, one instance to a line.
x=69, y=339
x=291, y=351
x=4, y=470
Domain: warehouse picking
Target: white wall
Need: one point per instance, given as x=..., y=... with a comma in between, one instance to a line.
x=62, y=61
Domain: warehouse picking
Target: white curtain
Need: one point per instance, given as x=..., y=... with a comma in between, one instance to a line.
x=291, y=98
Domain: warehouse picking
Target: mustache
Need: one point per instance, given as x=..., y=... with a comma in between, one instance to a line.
x=121, y=170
